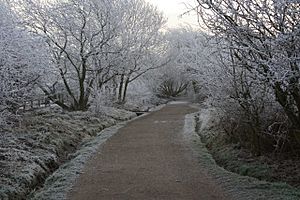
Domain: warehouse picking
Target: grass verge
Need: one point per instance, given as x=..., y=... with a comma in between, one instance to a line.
x=237, y=187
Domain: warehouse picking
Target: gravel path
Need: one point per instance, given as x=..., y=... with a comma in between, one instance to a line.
x=147, y=159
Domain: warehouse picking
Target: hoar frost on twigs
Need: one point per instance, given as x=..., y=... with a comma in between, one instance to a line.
x=260, y=50
x=21, y=63
x=263, y=38
x=95, y=45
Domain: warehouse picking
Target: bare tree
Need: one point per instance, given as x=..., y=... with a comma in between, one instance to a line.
x=143, y=43
x=262, y=38
x=78, y=33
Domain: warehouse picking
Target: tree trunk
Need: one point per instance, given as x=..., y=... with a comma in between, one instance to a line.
x=282, y=98
x=121, y=88
x=125, y=90
x=82, y=105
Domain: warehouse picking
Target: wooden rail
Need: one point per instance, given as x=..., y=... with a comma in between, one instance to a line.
x=41, y=102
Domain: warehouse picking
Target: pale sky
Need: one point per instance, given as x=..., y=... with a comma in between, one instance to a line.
x=173, y=9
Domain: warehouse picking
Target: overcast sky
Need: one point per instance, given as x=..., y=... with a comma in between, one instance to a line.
x=173, y=9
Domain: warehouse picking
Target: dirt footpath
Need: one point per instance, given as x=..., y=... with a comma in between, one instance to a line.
x=147, y=160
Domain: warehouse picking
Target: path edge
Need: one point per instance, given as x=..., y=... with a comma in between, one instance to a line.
x=235, y=186
x=62, y=180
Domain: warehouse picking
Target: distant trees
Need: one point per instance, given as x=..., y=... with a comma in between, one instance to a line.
x=142, y=41
x=171, y=83
x=259, y=50
x=190, y=58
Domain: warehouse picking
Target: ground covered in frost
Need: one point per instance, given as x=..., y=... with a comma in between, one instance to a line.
x=260, y=177
x=42, y=141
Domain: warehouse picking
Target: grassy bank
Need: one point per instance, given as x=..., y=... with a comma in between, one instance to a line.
x=238, y=183
x=33, y=149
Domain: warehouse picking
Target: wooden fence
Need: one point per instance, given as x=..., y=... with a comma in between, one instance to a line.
x=41, y=102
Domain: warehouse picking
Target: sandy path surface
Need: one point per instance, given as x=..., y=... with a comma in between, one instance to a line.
x=148, y=159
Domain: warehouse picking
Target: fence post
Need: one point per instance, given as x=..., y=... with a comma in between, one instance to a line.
x=46, y=102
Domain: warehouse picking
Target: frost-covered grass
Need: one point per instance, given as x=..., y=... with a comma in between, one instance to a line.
x=60, y=182
x=237, y=186
x=36, y=147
